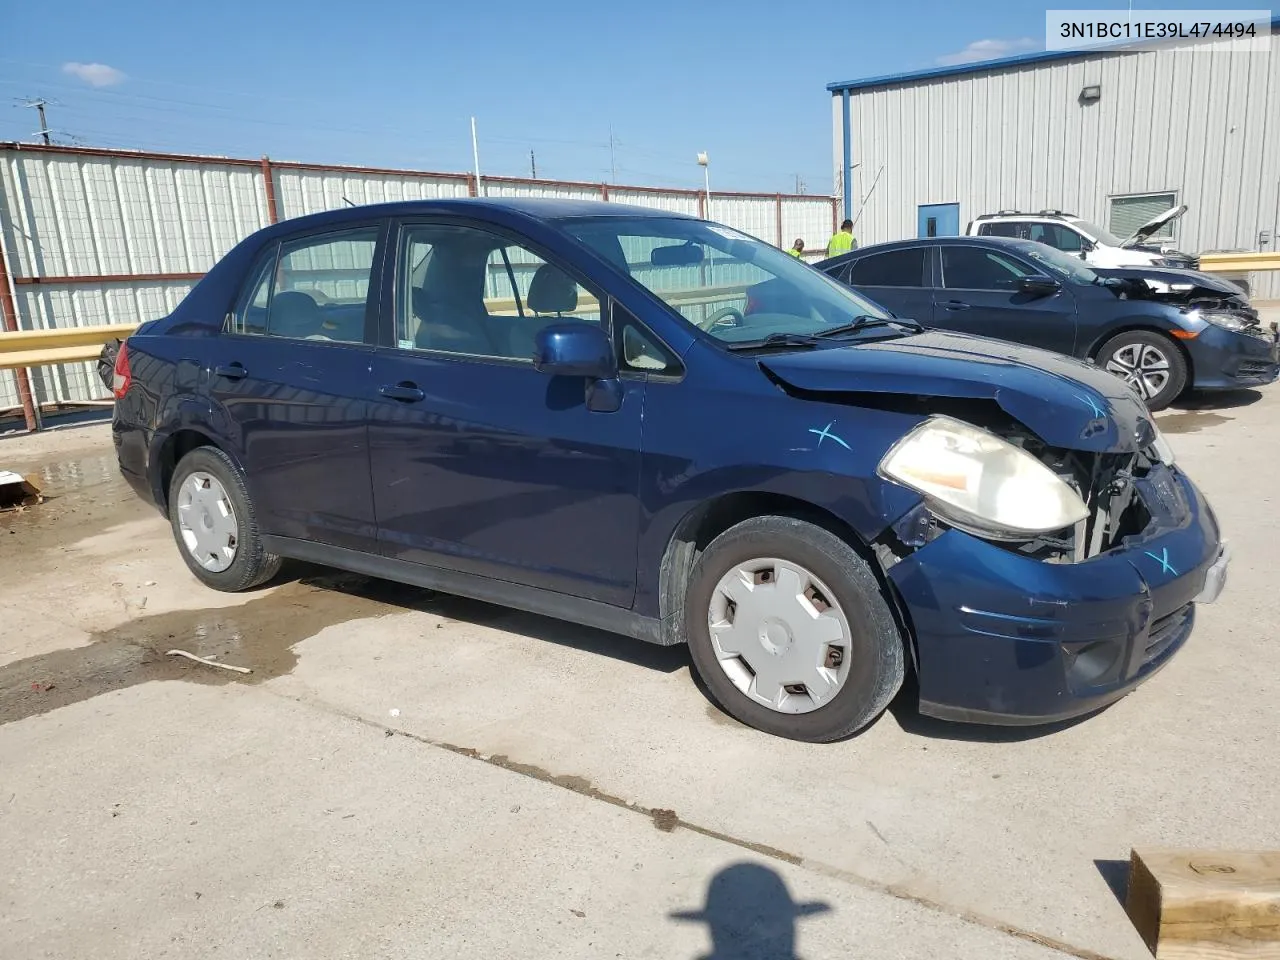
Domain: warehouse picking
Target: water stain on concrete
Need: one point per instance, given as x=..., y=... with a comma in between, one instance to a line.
x=259, y=635
x=1190, y=421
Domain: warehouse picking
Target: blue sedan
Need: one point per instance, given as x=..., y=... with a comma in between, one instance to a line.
x=1163, y=331
x=587, y=411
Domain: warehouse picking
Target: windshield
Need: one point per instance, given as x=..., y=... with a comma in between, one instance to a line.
x=733, y=286
x=1104, y=237
x=1058, y=264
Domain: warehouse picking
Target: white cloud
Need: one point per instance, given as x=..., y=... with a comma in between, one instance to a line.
x=989, y=50
x=94, y=74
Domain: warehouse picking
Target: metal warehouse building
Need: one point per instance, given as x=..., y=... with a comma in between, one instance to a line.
x=1114, y=136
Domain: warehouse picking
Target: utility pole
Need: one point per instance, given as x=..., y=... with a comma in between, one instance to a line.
x=613, y=164
x=801, y=186
x=39, y=106
x=475, y=154
x=533, y=167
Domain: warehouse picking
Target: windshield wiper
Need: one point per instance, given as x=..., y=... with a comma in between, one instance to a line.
x=864, y=321
x=775, y=340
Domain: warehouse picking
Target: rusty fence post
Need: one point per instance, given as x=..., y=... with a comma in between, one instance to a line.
x=9, y=310
x=269, y=187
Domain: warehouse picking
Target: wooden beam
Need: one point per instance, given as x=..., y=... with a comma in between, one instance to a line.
x=1206, y=904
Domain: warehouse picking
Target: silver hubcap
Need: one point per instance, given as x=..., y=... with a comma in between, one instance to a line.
x=779, y=635
x=207, y=522
x=1142, y=366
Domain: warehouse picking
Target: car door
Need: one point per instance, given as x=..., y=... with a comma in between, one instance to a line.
x=896, y=279
x=480, y=463
x=980, y=294
x=290, y=375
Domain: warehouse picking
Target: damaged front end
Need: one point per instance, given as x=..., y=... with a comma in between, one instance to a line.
x=1119, y=491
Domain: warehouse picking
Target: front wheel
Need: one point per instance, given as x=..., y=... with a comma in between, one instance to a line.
x=790, y=632
x=1149, y=362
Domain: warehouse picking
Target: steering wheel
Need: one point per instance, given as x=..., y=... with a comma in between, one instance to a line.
x=723, y=314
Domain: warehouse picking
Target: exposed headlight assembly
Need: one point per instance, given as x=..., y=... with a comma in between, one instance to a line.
x=1228, y=321
x=1162, y=450
x=980, y=483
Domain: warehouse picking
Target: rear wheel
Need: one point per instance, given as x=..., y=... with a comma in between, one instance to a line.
x=790, y=632
x=214, y=523
x=1149, y=362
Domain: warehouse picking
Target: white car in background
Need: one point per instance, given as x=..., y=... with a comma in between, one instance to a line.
x=1077, y=236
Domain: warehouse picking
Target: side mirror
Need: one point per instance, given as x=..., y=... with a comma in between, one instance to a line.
x=1038, y=285
x=574, y=350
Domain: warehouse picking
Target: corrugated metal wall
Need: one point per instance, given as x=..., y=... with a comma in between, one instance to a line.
x=1204, y=125
x=98, y=236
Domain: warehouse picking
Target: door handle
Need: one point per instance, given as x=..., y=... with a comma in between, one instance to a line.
x=405, y=390
x=232, y=371
x=956, y=305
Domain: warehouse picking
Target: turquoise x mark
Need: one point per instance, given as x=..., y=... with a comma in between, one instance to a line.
x=1163, y=560
x=826, y=433
x=1092, y=405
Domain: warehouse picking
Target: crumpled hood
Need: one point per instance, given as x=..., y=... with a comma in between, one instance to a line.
x=1174, y=281
x=1066, y=402
x=1154, y=224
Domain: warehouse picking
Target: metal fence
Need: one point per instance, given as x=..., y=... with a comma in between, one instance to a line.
x=91, y=236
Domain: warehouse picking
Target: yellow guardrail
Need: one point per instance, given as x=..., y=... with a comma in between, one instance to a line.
x=1239, y=262
x=38, y=348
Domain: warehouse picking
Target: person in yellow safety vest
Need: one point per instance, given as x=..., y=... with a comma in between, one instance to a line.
x=843, y=240
x=797, y=249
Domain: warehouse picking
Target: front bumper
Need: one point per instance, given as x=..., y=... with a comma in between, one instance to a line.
x=1003, y=638
x=1227, y=360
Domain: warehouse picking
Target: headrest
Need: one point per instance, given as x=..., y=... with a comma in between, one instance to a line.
x=293, y=313
x=552, y=291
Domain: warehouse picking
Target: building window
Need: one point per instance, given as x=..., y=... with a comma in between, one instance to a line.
x=1129, y=213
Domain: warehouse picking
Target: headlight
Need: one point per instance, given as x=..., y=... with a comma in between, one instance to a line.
x=975, y=480
x=1228, y=321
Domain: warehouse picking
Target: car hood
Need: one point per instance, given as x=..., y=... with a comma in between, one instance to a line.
x=1067, y=403
x=1174, y=286
x=1154, y=224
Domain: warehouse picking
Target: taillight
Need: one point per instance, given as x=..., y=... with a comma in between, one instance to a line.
x=122, y=378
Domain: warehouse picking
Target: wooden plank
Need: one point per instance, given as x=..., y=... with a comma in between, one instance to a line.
x=1206, y=904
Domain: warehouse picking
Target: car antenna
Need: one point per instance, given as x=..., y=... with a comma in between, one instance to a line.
x=348, y=202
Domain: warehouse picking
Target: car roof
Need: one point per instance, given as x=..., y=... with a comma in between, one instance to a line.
x=961, y=239
x=528, y=208
x=1027, y=215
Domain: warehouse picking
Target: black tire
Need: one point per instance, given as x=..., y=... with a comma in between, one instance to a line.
x=1177, y=381
x=877, y=652
x=252, y=565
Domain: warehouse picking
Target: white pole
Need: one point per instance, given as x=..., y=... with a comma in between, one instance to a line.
x=706, y=179
x=475, y=153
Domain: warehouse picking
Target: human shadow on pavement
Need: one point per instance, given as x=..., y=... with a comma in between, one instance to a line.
x=750, y=915
x=479, y=613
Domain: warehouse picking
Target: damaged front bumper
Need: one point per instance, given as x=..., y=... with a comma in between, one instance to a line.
x=1005, y=638
x=1229, y=360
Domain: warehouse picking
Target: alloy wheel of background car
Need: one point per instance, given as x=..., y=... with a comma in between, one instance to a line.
x=779, y=635
x=1149, y=362
x=214, y=523
x=790, y=631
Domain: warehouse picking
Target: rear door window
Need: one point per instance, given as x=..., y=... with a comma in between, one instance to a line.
x=896, y=268
x=975, y=268
x=1004, y=228
x=311, y=288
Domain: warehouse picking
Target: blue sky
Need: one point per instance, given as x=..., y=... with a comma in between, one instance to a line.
x=393, y=82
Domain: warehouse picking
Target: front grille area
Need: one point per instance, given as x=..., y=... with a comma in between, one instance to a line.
x=1166, y=631
x=1254, y=368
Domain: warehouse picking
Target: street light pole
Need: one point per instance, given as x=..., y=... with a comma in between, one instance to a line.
x=706, y=179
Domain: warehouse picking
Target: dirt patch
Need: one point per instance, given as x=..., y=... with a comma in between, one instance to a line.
x=1191, y=421
x=259, y=635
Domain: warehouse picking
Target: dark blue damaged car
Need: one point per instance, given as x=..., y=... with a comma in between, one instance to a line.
x=665, y=428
